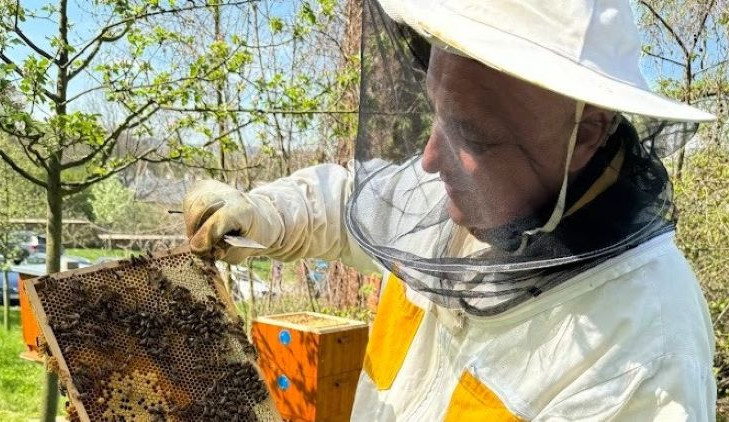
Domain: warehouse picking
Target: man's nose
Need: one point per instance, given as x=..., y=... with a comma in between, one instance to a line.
x=433, y=154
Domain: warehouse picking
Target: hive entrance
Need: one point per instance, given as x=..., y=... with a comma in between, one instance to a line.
x=151, y=338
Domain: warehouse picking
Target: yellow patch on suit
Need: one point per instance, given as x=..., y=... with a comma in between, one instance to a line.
x=473, y=401
x=393, y=330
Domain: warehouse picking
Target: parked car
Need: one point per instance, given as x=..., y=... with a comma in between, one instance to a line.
x=24, y=243
x=82, y=262
x=35, y=259
x=13, y=281
x=40, y=258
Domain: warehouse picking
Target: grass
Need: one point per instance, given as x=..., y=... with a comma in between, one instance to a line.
x=21, y=381
x=262, y=267
x=94, y=254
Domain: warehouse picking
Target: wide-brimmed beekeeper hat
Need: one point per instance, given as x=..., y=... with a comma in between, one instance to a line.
x=588, y=50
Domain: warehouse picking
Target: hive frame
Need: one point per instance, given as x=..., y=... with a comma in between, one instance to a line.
x=66, y=376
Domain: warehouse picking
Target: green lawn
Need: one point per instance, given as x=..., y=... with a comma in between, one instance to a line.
x=262, y=267
x=21, y=382
x=93, y=254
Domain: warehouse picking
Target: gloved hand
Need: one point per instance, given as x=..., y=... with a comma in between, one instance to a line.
x=213, y=209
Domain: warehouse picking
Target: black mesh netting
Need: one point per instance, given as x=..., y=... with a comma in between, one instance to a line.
x=399, y=213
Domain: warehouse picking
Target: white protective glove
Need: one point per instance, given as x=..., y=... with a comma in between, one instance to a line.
x=299, y=216
x=213, y=209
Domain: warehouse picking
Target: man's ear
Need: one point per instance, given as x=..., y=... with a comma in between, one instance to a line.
x=591, y=135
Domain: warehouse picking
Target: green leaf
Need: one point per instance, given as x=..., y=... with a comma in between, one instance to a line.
x=307, y=13
x=276, y=24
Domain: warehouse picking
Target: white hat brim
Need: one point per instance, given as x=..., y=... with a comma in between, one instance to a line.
x=533, y=63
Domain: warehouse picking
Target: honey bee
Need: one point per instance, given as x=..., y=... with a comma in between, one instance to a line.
x=46, y=284
x=76, y=286
x=157, y=280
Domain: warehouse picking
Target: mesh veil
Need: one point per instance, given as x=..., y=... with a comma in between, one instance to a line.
x=399, y=213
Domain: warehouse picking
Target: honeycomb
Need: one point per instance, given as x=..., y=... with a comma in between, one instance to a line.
x=152, y=338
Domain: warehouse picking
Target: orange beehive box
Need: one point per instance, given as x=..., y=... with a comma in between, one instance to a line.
x=311, y=363
x=30, y=327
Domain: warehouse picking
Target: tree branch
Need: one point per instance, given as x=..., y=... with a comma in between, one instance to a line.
x=131, y=19
x=668, y=28
x=22, y=171
x=40, y=162
x=226, y=133
x=125, y=125
x=27, y=147
x=70, y=188
x=254, y=110
x=96, y=47
x=22, y=36
x=107, y=152
x=713, y=66
x=11, y=132
x=131, y=89
x=8, y=128
x=31, y=44
x=202, y=167
x=7, y=60
x=703, y=23
x=669, y=60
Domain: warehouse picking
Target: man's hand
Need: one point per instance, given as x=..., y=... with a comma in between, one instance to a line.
x=213, y=209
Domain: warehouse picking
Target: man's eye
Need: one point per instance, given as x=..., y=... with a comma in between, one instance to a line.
x=478, y=147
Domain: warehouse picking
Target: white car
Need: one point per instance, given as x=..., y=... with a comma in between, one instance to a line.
x=40, y=258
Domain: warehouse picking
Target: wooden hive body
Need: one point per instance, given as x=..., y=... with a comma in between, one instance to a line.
x=30, y=327
x=311, y=363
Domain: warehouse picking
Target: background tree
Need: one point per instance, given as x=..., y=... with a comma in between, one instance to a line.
x=688, y=55
x=102, y=85
x=686, y=52
x=67, y=150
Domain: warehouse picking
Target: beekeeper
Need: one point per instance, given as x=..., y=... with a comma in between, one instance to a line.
x=507, y=177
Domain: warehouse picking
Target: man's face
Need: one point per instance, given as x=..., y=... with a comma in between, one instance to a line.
x=498, y=143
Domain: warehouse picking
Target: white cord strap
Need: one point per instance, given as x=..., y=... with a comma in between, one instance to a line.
x=558, y=211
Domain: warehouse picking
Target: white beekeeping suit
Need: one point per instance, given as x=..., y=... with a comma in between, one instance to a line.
x=508, y=182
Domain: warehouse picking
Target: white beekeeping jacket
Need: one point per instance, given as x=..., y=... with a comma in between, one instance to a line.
x=628, y=340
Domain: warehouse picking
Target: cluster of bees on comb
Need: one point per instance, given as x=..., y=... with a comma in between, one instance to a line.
x=152, y=338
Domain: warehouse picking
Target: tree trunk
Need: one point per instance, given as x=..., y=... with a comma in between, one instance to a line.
x=6, y=301
x=219, y=90
x=53, y=265
x=678, y=172
x=54, y=195
x=688, y=99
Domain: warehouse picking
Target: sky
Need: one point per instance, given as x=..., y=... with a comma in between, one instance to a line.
x=85, y=26
x=40, y=31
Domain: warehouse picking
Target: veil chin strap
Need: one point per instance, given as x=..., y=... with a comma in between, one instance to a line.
x=558, y=211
